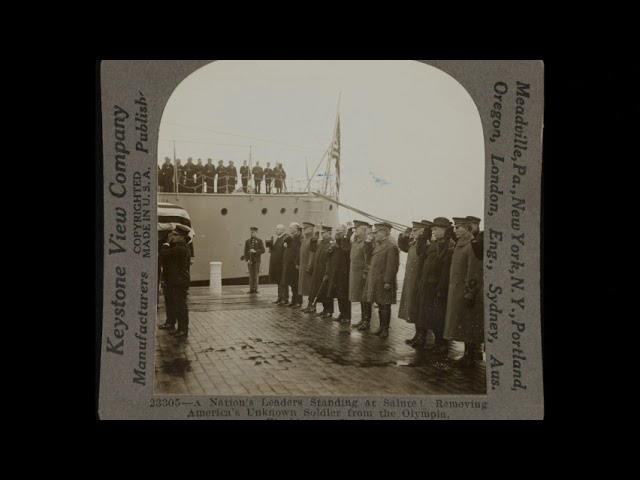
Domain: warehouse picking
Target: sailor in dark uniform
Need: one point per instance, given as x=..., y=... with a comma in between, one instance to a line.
x=257, y=176
x=181, y=178
x=174, y=256
x=189, y=173
x=281, y=176
x=209, y=172
x=199, y=170
x=268, y=177
x=245, y=176
x=160, y=178
x=167, y=175
x=232, y=177
x=221, y=171
x=253, y=250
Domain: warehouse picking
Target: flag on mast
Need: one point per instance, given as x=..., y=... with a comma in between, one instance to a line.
x=335, y=154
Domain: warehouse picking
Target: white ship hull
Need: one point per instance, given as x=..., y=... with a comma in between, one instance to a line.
x=221, y=223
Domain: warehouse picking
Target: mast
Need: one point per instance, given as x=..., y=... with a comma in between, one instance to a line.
x=175, y=168
x=249, y=181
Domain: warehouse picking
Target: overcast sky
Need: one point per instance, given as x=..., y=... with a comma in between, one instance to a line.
x=412, y=145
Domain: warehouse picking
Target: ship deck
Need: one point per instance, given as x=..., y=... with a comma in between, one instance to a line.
x=242, y=344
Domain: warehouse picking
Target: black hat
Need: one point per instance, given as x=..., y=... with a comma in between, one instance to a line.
x=253, y=229
x=360, y=223
x=427, y=223
x=474, y=219
x=418, y=224
x=458, y=221
x=441, y=222
x=308, y=224
x=326, y=228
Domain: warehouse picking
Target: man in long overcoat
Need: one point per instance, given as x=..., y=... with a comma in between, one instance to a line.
x=291, y=254
x=359, y=256
x=276, y=249
x=175, y=260
x=407, y=242
x=338, y=255
x=319, y=283
x=465, y=306
x=304, y=263
x=433, y=286
x=382, y=284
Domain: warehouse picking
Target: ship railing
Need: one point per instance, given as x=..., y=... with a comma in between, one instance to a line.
x=201, y=183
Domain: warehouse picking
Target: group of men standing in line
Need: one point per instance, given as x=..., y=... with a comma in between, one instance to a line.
x=442, y=289
x=199, y=178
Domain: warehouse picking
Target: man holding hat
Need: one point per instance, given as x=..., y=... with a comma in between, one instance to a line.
x=382, y=285
x=465, y=310
x=358, y=268
x=175, y=259
x=253, y=250
x=304, y=264
x=407, y=242
x=321, y=275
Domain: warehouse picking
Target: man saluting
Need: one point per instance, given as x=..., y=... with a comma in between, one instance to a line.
x=253, y=250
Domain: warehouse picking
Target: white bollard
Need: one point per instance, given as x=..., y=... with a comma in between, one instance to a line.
x=215, y=278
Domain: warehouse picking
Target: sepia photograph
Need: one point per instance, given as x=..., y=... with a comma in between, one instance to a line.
x=320, y=231
x=321, y=239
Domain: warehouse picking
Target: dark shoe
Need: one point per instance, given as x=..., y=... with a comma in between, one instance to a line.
x=181, y=333
x=277, y=301
x=345, y=320
x=379, y=331
x=358, y=325
x=366, y=325
x=290, y=305
x=166, y=326
x=411, y=340
x=384, y=333
x=463, y=362
x=256, y=291
x=250, y=291
x=420, y=342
